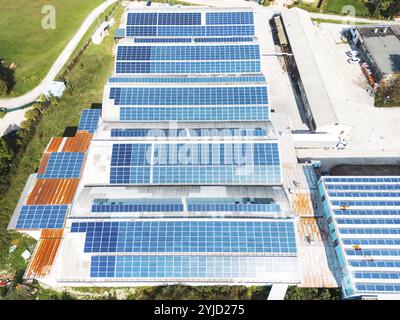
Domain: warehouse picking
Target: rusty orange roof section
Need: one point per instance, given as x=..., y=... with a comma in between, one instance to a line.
x=45, y=252
x=53, y=191
x=54, y=144
x=43, y=163
x=79, y=143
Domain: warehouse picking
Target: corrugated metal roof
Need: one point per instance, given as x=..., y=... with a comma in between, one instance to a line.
x=79, y=143
x=53, y=191
x=54, y=144
x=44, y=254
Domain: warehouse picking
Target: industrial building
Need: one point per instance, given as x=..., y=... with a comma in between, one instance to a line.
x=363, y=217
x=305, y=70
x=380, y=48
x=178, y=178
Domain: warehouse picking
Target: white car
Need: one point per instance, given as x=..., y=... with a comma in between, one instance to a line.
x=352, y=53
x=353, y=60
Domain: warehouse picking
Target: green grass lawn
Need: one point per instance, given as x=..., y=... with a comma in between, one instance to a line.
x=335, y=6
x=26, y=43
x=85, y=87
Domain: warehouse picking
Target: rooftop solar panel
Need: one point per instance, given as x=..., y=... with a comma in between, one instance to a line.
x=245, y=237
x=190, y=31
x=189, y=18
x=194, y=114
x=89, y=120
x=42, y=217
x=221, y=18
x=63, y=165
x=192, y=52
x=164, y=96
x=233, y=79
x=236, y=163
x=253, y=269
x=216, y=132
x=366, y=229
x=161, y=40
x=189, y=67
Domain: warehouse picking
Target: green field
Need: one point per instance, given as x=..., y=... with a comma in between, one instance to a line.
x=335, y=6
x=33, y=49
x=85, y=87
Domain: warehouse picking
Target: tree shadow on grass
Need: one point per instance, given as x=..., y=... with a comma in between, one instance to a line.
x=7, y=75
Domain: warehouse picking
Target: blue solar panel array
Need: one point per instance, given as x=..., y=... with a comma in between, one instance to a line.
x=42, y=217
x=367, y=228
x=221, y=132
x=164, y=18
x=189, y=96
x=189, y=40
x=213, y=49
x=190, y=31
x=217, y=18
x=189, y=236
x=234, y=79
x=195, y=114
x=177, y=206
x=186, y=67
x=191, y=53
x=63, y=165
x=181, y=267
x=89, y=120
x=237, y=163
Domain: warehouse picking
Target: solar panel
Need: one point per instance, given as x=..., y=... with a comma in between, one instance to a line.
x=363, y=187
x=142, y=133
x=189, y=18
x=190, y=53
x=42, y=217
x=356, y=194
x=178, y=79
x=178, y=67
x=162, y=40
x=89, y=120
x=361, y=212
x=182, y=18
x=232, y=207
x=235, y=163
x=233, y=79
x=224, y=39
x=366, y=203
x=190, y=31
x=195, y=96
x=148, y=207
x=256, y=269
x=221, y=18
x=63, y=165
x=378, y=287
x=362, y=179
x=195, y=114
x=216, y=132
x=367, y=225
x=189, y=40
x=245, y=237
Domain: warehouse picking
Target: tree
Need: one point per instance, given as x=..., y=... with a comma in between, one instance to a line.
x=385, y=8
x=388, y=94
x=3, y=88
x=6, y=156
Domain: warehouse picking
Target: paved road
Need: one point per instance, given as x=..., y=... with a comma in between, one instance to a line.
x=346, y=18
x=59, y=63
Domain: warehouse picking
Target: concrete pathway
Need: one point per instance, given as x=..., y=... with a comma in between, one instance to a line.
x=278, y=291
x=59, y=63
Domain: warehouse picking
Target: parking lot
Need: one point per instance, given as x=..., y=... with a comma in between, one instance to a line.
x=375, y=132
